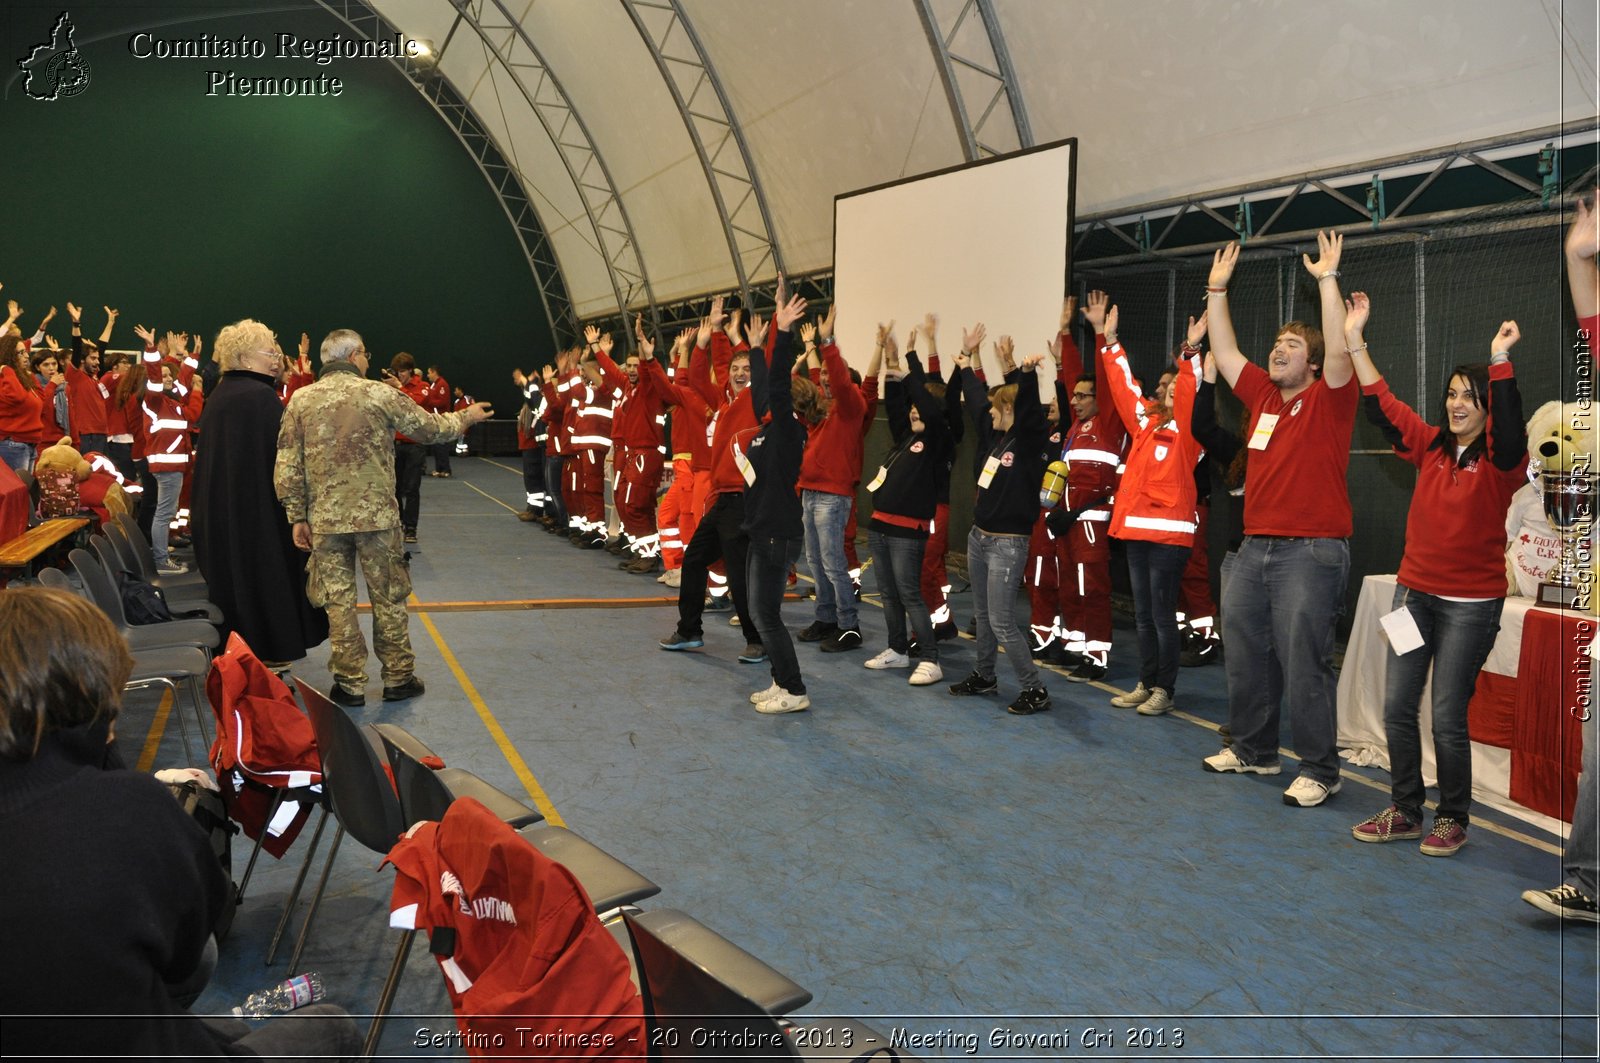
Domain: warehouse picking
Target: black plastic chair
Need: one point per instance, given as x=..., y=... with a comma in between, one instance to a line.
x=100, y=587
x=187, y=584
x=426, y=794
x=182, y=596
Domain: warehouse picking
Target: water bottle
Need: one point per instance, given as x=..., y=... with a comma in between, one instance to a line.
x=297, y=992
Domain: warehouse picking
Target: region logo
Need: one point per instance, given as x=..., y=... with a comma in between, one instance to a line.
x=55, y=69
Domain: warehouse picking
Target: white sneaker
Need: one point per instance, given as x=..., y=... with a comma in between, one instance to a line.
x=762, y=695
x=672, y=577
x=1159, y=703
x=1229, y=761
x=926, y=673
x=784, y=702
x=733, y=621
x=171, y=568
x=1137, y=696
x=1308, y=792
x=889, y=659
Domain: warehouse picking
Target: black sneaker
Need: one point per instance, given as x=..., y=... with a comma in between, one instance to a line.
x=754, y=653
x=1086, y=672
x=946, y=631
x=975, y=684
x=846, y=638
x=679, y=641
x=411, y=688
x=616, y=546
x=410, y=535
x=340, y=696
x=719, y=603
x=1030, y=701
x=816, y=631
x=1566, y=901
x=595, y=542
x=1042, y=653
x=1200, y=652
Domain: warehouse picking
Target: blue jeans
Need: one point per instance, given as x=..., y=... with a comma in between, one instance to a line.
x=17, y=454
x=1582, y=859
x=169, y=487
x=1282, y=602
x=1154, y=572
x=994, y=563
x=898, y=559
x=825, y=516
x=1456, y=639
x=555, y=504
x=766, y=578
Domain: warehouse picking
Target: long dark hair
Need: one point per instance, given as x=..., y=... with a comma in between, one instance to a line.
x=1477, y=377
x=9, y=346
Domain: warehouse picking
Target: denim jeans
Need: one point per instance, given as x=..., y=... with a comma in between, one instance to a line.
x=169, y=487
x=17, y=454
x=825, y=516
x=1582, y=859
x=1456, y=639
x=767, y=577
x=994, y=563
x=898, y=559
x=555, y=505
x=1283, y=600
x=1155, y=571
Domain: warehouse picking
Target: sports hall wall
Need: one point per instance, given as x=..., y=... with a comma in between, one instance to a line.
x=187, y=211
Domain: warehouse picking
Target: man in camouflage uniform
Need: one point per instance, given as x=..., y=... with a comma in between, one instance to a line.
x=335, y=478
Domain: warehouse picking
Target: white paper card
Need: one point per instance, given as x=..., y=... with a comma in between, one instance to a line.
x=1264, y=426
x=1401, y=628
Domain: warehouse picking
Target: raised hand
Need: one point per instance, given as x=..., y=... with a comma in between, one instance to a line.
x=1069, y=311
x=758, y=329
x=1053, y=345
x=891, y=349
x=591, y=335
x=638, y=327
x=13, y=309
x=548, y=372
x=825, y=326
x=1004, y=350
x=717, y=316
x=1330, y=246
x=702, y=335
x=930, y=325
x=519, y=378
x=1222, y=265
x=808, y=333
x=607, y=343
x=1505, y=338
x=972, y=339
x=48, y=318
x=1583, y=239
x=962, y=361
x=111, y=313
x=1357, y=309
x=74, y=312
x=647, y=346
x=198, y=343
x=148, y=335
x=50, y=342
x=787, y=313
x=1031, y=362
x=1196, y=331
x=685, y=338
x=1095, y=312
x=1110, y=330
x=305, y=346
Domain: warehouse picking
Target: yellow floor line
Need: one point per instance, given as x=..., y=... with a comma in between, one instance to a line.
x=496, y=732
x=490, y=497
x=158, y=727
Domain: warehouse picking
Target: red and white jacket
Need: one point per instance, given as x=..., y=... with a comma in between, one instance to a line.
x=166, y=419
x=1156, y=500
x=640, y=416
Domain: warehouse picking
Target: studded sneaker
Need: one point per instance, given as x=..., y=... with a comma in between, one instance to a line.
x=1390, y=825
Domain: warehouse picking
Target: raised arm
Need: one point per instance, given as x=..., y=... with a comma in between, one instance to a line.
x=1224, y=344
x=1508, y=429
x=111, y=320
x=1357, y=310
x=1336, y=367
x=1583, y=244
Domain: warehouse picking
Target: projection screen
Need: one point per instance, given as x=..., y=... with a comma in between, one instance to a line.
x=988, y=241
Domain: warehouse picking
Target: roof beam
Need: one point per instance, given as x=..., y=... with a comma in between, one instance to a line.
x=998, y=130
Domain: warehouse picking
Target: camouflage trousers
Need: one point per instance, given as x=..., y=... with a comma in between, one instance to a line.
x=331, y=582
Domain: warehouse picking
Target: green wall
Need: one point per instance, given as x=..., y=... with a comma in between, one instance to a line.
x=310, y=213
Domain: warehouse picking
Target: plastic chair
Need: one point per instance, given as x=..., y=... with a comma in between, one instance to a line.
x=112, y=562
x=100, y=588
x=145, y=558
x=426, y=794
x=183, y=597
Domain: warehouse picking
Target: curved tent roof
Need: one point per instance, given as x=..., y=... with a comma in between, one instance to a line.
x=794, y=103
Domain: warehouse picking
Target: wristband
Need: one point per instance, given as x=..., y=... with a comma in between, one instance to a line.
x=1191, y=348
x=1220, y=291
x=1355, y=350
x=1499, y=357
x=1324, y=276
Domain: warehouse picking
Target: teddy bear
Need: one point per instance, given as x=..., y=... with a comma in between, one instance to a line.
x=70, y=484
x=1561, y=439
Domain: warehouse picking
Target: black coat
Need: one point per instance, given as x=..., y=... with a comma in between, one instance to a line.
x=242, y=539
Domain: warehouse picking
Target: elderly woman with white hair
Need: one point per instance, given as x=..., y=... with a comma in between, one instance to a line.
x=242, y=537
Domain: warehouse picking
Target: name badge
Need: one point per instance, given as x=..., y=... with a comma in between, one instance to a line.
x=990, y=467
x=1263, y=433
x=1401, y=627
x=746, y=470
x=877, y=481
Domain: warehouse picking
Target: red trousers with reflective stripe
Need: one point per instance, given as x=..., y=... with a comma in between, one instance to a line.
x=638, y=475
x=677, y=510
x=933, y=563
x=584, y=487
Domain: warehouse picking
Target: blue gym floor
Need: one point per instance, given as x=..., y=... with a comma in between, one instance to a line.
x=995, y=884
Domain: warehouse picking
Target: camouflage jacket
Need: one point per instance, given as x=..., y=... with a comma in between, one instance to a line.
x=335, y=465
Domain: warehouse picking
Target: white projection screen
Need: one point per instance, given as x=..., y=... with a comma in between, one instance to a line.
x=988, y=241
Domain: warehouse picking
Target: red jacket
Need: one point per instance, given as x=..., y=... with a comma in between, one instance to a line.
x=116, y=416
x=1156, y=501
x=832, y=462
x=166, y=419
x=640, y=414
x=19, y=407
x=86, y=403
x=415, y=389
x=689, y=414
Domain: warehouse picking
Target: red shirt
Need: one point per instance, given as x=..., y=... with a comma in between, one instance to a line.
x=19, y=408
x=415, y=389
x=832, y=462
x=1296, y=486
x=1455, y=531
x=86, y=403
